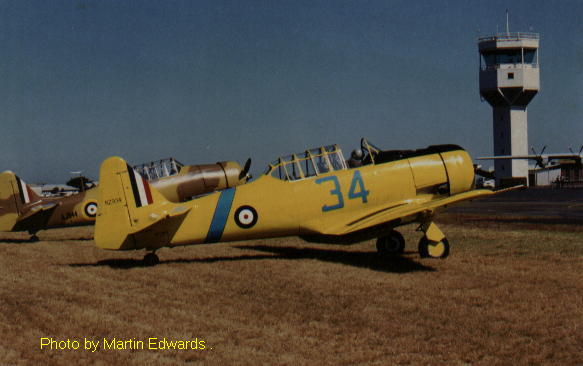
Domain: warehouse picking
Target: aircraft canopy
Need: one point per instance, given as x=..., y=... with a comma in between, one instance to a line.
x=306, y=164
x=159, y=169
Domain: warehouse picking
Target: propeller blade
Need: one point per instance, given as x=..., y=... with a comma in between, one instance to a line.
x=484, y=173
x=245, y=170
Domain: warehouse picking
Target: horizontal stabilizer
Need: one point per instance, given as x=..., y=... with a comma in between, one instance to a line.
x=132, y=214
x=36, y=218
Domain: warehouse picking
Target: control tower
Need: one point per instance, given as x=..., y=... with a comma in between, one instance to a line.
x=509, y=79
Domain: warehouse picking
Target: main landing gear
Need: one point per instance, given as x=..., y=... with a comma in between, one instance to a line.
x=391, y=245
x=433, y=244
x=151, y=259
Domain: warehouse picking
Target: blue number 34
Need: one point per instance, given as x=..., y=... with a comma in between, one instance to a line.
x=356, y=190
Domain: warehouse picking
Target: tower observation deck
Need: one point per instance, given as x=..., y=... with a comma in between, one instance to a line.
x=509, y=79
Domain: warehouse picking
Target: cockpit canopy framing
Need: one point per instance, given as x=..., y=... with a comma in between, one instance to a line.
x=307, y=164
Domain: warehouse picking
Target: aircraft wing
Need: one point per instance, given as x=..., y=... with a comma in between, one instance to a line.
x=36, y=218
x=534, y=157
x=499, y=157
x=396, y=211
x=565, y=156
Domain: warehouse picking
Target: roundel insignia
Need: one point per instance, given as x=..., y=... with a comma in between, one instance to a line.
x=91, y=209
x=246, y=217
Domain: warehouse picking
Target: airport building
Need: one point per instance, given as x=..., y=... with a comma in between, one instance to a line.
x=560, y=175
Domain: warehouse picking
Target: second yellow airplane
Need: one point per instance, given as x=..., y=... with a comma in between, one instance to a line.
x=23, y=210
x=316, y=195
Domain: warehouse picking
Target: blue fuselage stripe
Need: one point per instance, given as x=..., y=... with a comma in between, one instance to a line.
x=220, y=217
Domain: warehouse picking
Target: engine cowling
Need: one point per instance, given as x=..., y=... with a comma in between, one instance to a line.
x=195, y=180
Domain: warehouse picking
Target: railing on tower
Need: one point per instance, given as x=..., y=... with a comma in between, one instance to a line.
x=513, y=36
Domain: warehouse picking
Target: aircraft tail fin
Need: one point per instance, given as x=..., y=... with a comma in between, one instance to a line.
x=129, y=209
x=15, y=194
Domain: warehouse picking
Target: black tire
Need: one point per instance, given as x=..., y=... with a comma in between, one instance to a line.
x=431, y=249
x=392, y=244
x=151, y=259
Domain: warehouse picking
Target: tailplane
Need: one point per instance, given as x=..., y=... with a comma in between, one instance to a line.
x=131, y=212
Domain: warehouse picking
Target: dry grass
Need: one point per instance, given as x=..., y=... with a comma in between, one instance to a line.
x=504, y=297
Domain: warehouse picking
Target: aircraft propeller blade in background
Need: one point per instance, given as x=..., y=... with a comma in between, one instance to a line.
x=541, y=160
x=245, y=169
x=484, y=173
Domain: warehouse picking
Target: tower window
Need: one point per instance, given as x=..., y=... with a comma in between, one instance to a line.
x=510, y=75
x=502, y=56
x=530, y=56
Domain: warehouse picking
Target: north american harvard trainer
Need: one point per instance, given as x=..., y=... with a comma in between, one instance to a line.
x=316, y=195
x=23, y=210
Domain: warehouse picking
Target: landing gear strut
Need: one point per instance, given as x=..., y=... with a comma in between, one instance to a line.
x=391, y=245
x=151, y=259
x=433, y=244
x=33, y=238
x=432, y=249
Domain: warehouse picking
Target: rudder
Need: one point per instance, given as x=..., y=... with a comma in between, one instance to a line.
x=15, y=194
x=127, y=205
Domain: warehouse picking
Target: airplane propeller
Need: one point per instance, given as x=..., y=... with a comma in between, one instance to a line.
x=245, y=170
x=577, y=158
x=579, y=153
x=484, y=173
x=541, y=160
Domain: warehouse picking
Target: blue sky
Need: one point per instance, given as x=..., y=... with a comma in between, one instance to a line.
x=205, y=81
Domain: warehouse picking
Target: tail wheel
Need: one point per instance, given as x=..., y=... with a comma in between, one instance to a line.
x=393, y=244
x=151, y=259
x=431, y=249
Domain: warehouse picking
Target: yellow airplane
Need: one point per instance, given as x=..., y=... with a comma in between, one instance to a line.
x=23, y=210
x=316, y=195
x=179, y=183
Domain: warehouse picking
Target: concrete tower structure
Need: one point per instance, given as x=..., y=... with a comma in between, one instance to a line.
x=509, y=79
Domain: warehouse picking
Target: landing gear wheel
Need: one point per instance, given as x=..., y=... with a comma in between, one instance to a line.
x=151, y=259
x=431, y=249
x=391, y=245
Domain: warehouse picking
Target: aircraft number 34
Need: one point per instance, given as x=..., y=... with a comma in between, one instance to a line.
x=356, y=190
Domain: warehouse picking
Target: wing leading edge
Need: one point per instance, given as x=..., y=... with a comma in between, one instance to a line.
x=395, y=212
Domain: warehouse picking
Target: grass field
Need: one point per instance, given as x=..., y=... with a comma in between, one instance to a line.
x=505, y=296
